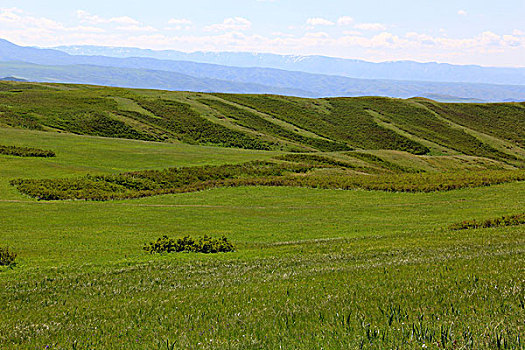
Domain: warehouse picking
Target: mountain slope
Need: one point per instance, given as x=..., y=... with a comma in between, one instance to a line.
x=399, y=70
x=135, y=78
x=269, y=122
x=264, y=80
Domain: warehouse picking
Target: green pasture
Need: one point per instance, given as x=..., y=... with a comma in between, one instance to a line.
x=313, y=268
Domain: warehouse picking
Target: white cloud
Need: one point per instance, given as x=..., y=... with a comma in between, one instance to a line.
x=137, y=28
x=180, y=21
x=86, y=17
x=495, y=48
x=373, y=27
x=345, y=21
x=352, y=32
x=234, y=23
x=318, y=21
x=14, y=17
x=462, y=12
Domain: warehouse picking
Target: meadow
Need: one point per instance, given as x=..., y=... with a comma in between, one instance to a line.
x=314, y=266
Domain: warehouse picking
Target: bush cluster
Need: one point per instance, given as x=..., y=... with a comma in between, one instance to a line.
x=7, y=257
x=151, y=182
x=420, y=182
x=257, y=173
x=25, y=151
x=204, y=245
x=509, y=220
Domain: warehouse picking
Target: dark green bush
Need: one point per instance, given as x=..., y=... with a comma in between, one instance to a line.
x=7, y=257
x=25, y=151
x=509, y=220
x=204, y=245
x=257, y=173
x=150, y=182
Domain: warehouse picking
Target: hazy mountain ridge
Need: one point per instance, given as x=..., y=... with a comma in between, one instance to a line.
x=396, y=70
x=140, y=72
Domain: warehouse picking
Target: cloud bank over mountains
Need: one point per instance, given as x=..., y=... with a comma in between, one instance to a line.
x=340, y=36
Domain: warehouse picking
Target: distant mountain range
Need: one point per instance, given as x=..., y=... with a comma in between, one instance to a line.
x=51, y=65
x=398, y=70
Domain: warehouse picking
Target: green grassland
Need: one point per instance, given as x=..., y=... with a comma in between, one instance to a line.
x=313, y=268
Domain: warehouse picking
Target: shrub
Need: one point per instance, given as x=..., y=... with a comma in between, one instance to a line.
x=509, y=220
x=25, y=151
x=204, y=244
x=149, y=182
x=7, y=257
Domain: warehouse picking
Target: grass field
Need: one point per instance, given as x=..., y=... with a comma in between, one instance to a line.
x=313, y=268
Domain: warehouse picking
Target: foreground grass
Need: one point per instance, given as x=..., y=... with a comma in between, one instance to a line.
x=434, y=289
x=313, y=268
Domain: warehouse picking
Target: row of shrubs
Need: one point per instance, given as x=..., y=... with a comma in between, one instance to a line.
x=151, y=182
x=420, y=182
x=25, y=151
x=203, y=244
x=314, y=159
x=190, y=179
x=508, y=220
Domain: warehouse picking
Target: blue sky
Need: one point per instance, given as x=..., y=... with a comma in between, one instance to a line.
x=464, y=32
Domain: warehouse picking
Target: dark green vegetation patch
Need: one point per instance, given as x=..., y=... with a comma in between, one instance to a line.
x=7, y=256
x=152, y=182
x=190, y=179
x=506, y=220
x=25, y=151
x=205, y=244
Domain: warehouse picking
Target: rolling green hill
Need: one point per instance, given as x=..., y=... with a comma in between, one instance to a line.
x=416, y=126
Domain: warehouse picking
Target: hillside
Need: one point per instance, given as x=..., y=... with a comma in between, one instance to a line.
x=270, y=122
x=48, y=65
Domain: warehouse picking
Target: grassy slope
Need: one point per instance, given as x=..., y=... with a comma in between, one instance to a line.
x=269, y=122
x=314, y=268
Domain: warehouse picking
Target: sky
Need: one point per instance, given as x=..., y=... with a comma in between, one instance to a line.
x=482, y=32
